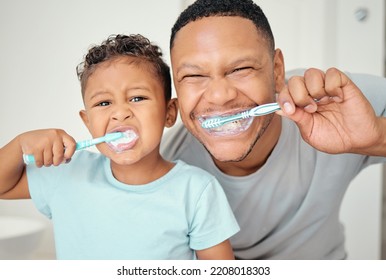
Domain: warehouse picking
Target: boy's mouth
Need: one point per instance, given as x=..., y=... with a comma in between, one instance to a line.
x=125, y=143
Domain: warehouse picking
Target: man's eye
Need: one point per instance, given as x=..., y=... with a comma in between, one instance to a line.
x=241, y=69
x=191, y=77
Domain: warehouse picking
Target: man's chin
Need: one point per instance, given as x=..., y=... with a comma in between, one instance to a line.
x=227, y=155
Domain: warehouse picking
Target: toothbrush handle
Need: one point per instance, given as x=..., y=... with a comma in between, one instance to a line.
x=88, y=143
x=264, y=109
x=28, y=159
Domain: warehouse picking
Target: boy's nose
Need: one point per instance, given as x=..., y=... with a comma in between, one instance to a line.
x=220, y=92
x=122, y=113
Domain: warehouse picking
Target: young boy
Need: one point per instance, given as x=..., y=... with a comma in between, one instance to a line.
x=125, y=202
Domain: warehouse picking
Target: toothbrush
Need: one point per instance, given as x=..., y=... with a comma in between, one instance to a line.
x=254, y=112
x=84, y=144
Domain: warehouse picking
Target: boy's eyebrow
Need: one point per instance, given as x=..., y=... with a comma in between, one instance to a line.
x=96, y=94
x=103, y=92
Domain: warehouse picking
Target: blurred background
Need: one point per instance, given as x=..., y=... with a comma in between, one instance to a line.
x=42, y=41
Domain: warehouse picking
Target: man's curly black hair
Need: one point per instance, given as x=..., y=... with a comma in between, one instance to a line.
x=208, y=8
x=117, y=46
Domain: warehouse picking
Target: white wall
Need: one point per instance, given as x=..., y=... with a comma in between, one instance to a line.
x=42, y=41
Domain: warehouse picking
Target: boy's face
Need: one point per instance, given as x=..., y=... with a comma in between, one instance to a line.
x=223, y=66
x=124, y=96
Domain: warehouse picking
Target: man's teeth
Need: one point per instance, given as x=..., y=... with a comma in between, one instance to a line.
x=228, y=126
x=233, y=127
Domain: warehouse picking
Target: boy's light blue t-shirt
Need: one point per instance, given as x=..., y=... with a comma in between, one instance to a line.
x=97, y=217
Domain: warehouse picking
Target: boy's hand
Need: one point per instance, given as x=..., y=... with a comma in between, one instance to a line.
x=48, y=146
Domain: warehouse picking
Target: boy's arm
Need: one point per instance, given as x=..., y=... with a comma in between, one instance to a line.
x=13, y=179
x=49, y=147
x=222, y=251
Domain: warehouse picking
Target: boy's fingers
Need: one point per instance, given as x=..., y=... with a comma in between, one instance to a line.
x=70, y=146
x=58, y=153
x=47, y=157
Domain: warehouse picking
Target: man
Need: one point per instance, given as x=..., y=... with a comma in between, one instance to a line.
x=284, y=177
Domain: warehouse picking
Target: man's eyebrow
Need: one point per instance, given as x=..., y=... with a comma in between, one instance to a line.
x=233, y=63
x=188, y=66
x=246, y=59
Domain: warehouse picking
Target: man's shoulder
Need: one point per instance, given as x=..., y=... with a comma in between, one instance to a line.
x=175, y=141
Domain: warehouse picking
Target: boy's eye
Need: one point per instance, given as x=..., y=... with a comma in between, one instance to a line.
x=137, y=98
x=104, y=103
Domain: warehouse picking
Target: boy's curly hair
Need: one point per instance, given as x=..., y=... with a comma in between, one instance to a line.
x=120, y=45
x=208, y=8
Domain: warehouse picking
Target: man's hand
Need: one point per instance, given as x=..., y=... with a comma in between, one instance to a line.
x=342, y=121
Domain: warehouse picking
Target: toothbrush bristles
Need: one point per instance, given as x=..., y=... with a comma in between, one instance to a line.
x=219, y=121
x=212, y=123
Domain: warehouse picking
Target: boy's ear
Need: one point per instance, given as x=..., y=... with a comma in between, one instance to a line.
x=171, y=112
x=84, y=117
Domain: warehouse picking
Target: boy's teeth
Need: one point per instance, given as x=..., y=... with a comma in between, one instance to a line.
x=128, y=137
x=124, y=143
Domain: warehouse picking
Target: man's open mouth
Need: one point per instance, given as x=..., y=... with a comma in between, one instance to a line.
x=229, y=129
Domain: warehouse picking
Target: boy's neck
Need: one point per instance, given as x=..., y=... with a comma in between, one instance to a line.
x=142, y=172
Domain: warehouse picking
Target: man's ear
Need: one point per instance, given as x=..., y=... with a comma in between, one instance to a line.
x=171, y=112
x=84, y=117
x=279, y=70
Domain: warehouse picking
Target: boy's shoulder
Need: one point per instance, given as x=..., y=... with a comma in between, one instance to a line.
x=81, y=160
x=87, y=156
x=191, y=168
x=192, y=171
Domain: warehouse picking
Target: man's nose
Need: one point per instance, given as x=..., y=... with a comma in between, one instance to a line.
x=220, y=92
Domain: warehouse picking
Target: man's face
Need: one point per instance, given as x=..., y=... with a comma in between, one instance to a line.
x=223, y=66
